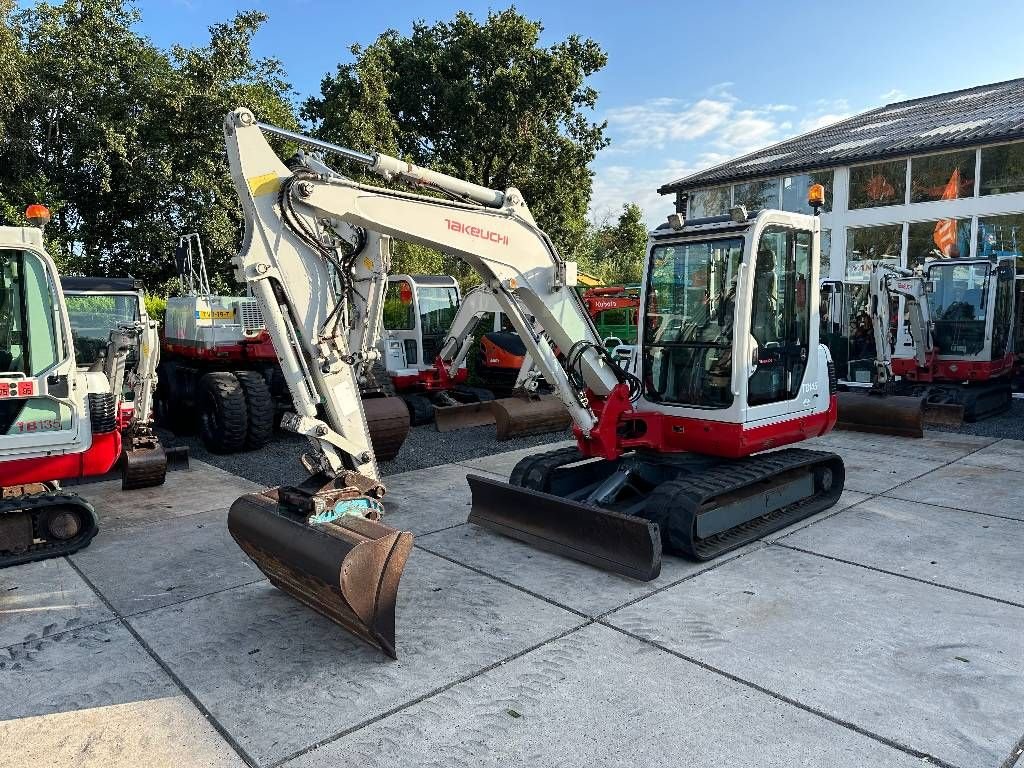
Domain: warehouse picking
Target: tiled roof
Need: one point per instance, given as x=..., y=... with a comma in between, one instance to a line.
x=978, y=115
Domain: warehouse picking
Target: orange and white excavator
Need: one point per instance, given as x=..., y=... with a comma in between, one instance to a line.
x=686, y=448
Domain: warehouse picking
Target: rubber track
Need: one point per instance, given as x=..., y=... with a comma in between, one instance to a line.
x=259, y=409
x=421, y=410
x=38, y=504
x=687, y=496
x=533, y=472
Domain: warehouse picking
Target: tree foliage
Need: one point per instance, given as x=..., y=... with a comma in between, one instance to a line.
x=484, y=101
x=121, y=139
x=616, y=252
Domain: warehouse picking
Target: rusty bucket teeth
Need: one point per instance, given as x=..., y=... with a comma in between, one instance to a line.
x=881, y=414
x=452, y=417
x=520, y=416
x=347, y=570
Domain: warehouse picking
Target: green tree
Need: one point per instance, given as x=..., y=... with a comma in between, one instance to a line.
x=122, y=140
x=616, y=252
x=481, y=101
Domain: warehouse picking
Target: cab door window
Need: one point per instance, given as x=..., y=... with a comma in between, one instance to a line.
x=28, y=339
x=780, y=315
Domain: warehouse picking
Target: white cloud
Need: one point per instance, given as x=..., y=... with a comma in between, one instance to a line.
x=658, y=121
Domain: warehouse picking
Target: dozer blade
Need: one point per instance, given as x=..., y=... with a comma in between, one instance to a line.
x=520, y=416
x=623, y=544
x=143, y=467
x=388, y=421
x=347, y=570
x=452, y=417
x=881, y=414
x=948, y=414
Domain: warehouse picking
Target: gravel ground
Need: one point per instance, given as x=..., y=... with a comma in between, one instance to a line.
x=278, y=462
x=1006, y=425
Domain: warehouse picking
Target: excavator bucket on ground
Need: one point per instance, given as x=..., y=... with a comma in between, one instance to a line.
x=881, y=414
x=387, y=419
x=347, y=568
x=146, y=464
x=448, y=418
x=946, y=414
x=521, y=416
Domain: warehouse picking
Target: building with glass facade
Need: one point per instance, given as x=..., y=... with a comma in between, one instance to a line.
x=941, y=176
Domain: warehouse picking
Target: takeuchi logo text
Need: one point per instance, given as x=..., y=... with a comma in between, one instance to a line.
x=472, y=231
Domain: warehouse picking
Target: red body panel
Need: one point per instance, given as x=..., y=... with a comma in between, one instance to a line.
x=622, y=429
x=258, y=348
x=98, y=460
x=952, y=370
x=435, y=379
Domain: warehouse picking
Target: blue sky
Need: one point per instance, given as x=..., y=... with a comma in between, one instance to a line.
x=687, y=84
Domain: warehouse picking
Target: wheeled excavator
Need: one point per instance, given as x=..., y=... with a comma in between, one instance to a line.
x=686, y=448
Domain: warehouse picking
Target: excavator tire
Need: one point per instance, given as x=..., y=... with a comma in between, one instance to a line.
x=223, y=425
x=259, y=409
x=421, y=410
x=520, y=416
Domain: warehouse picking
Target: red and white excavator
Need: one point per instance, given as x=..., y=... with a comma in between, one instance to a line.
x=686, y=448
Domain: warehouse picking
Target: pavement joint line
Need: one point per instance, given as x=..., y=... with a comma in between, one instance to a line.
x=918, y=579
x=439, y=530
x=808, y=523
x=1015, y=753
x=54, y=635
x=941, y=466
x=178, y=682
x=175, y=604
x=932, y=759
x=430, y=694
x=506, y=583
x=886, y=495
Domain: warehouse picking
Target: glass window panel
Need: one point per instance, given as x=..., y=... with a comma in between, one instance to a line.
x=757, y=195
x=826, y=254
x=1002, y=169
x=399, y=314
x=709, y=202
x=943, y=239
x=878, y=184
x=1002, y=236
x=794, y=191
x=865, y=246
x=942, y=177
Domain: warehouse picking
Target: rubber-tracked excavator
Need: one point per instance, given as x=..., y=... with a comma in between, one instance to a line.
x=675, y=450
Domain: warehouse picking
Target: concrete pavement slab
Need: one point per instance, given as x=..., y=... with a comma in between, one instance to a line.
x=279, y=677
x=1004, y=454
x=599, y=698
x=936, y=544
x=989, y=490
x=93, y=697
x=877, y=471
x=200, y=488
x=936, y=670
x=575, y=585
x=427, y=500
x=145, y=567
x=502, y=463
x=934, y=446
x=44, y=598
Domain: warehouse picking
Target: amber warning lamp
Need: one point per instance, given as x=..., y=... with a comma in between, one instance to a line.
x=37, y=215
x=816, y=197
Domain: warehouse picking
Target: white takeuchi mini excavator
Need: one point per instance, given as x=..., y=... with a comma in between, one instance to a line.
x=727, y=365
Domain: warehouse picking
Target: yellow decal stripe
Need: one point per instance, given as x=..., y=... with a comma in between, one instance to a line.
x=267, y=184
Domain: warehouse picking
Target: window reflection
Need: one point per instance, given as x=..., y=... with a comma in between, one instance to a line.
x=942, y=177
x=1002, y=236
x=709, y=202
x=943, y=239
x=794, y=191
x=1002, y=169
x=878, y=184
x=757, y=195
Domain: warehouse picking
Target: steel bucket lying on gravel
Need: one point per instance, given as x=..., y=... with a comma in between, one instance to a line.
x=947, y=414
x=448, y=418
x=348, y=570
x=521, y=416
x=387, y=420
x=881, y=414
x=607, y=539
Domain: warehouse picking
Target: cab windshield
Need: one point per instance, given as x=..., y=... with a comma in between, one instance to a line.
x=437, y=309
x=688, y=339
x=957, y=306
x=93, y=317
x=27, y=335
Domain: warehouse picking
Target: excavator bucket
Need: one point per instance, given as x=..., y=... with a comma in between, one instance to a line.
x=610, y=540
x=881, y=414
x=387, y=418
x=348, y=569
x=520, y=416
x=448, y=418
x=946, y=414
